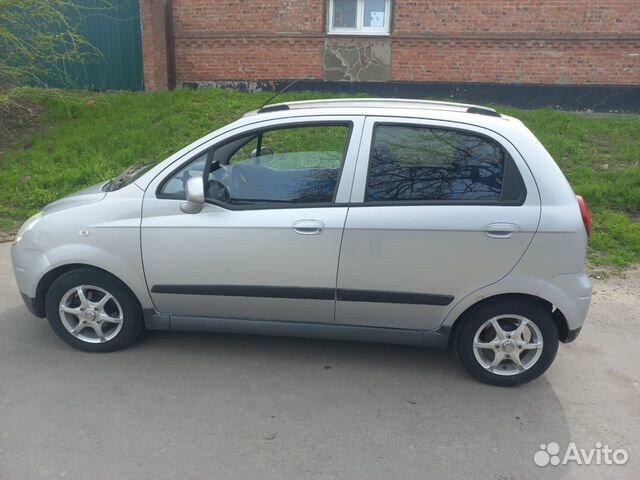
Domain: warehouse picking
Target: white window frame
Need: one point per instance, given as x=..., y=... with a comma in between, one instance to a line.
x=360, y=29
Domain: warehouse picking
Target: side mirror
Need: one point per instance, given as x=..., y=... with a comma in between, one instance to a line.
x=195, y=195
x=264, y=153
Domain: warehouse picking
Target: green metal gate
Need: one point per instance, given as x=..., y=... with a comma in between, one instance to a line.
x=116, y=33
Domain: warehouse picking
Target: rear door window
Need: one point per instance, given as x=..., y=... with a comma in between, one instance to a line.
x=424, y=164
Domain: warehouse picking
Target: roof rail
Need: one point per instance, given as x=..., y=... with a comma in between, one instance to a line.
x=274, y=108
x=483, y=111
x=380, y=103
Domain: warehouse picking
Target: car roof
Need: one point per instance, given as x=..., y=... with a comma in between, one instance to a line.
x=377, y=104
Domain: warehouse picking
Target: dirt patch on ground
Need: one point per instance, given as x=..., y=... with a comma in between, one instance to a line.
x=8, y=230
x=19, y=119
x=621, y=287
x=8, y=235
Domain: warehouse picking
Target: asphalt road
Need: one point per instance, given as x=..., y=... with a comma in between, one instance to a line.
x=182, y=406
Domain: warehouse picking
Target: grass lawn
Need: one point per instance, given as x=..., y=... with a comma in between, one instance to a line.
x=86, y=137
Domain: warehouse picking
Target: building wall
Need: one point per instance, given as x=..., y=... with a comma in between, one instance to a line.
x=578, y=42
x=520, y=17
x=591, y=62
x=232, y=58
x=154, y=43
x=270, y=16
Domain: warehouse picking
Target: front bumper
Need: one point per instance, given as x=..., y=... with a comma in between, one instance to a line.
x=27, y=265
x=33, y=306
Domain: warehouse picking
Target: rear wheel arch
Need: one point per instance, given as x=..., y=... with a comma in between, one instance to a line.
x=558, y=316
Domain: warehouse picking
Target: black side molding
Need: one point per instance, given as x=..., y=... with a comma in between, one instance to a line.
x=248, y=291
x=393, y=297
x=307, y=293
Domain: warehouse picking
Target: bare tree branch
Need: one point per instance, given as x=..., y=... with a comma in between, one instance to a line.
x=40, y=38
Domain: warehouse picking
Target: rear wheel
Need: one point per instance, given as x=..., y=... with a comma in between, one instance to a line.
x=507, y=343
x=93, y=311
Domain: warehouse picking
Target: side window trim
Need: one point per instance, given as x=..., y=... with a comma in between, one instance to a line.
x=359, y=192
x=355, y=124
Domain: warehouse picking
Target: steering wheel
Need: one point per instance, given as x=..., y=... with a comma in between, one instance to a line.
x=217, y=190
x=264, y=152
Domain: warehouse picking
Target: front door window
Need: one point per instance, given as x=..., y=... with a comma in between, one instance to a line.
x=286, y=166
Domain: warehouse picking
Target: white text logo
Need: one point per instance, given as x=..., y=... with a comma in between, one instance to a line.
x=549, y=454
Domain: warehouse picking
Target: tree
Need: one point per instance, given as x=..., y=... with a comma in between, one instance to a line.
x=38, y=39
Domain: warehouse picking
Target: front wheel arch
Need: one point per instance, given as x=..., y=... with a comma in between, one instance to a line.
x=110, y=322
x=51, y=276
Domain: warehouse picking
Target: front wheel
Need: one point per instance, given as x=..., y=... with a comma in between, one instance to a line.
x=507, y=343
x=93, y=311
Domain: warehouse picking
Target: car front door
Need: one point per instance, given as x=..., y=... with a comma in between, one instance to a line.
x=438, y=210
x=266, y=244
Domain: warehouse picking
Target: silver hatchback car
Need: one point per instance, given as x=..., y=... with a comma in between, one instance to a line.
x=400, y=221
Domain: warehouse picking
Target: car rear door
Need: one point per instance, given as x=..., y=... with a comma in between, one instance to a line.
x=438, y=210
x=268, y=248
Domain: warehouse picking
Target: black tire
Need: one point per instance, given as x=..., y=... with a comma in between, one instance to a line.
x=132, y=322
x=476, y=318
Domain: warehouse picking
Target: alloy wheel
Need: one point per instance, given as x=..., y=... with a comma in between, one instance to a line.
x=508, y=344
x=91, y=314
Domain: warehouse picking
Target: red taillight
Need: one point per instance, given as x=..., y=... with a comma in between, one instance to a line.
x=586, y=214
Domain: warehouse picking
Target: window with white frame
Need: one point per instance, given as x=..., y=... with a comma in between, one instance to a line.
x=359, y=17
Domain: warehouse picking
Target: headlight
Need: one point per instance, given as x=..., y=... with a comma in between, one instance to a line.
x=28, y=225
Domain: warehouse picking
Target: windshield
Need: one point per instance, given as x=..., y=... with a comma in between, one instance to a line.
x=125, y=178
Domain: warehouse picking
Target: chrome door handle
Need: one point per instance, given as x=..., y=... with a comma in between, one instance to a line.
x=308, y=227
x=501, y=230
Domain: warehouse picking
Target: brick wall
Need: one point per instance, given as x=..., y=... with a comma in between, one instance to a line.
x=520, y=16
x=576, y=42
x=154, y=43
x=562, y=62
x=204, y=59
x=270, y=16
